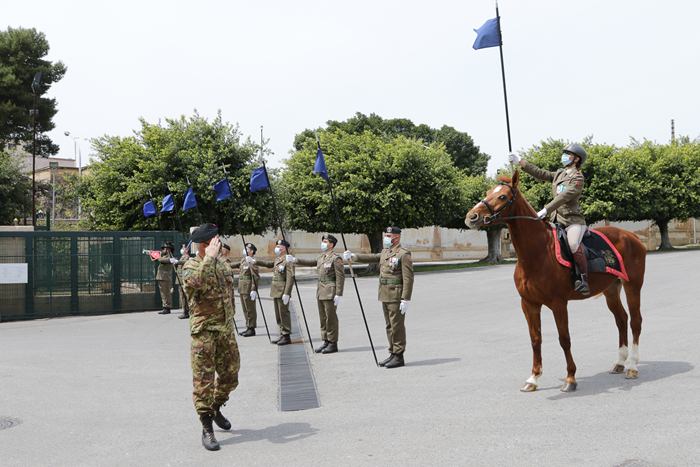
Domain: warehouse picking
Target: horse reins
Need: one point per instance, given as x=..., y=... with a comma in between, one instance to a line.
x=494, y=214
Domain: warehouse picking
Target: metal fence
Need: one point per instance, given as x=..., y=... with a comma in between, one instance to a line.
x=52, y=274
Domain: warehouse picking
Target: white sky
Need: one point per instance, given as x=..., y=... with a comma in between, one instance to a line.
x=607, y=68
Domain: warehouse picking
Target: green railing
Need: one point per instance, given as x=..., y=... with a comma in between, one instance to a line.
x=51, y=274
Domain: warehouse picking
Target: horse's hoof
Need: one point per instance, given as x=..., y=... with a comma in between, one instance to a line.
x=569, y=387
x=528, y=387
x=617, y=369
x=631, y=374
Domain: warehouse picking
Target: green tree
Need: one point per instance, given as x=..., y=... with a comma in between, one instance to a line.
x=378, y=181
x=116, y=188
x=15, y=190
x=21, y=57
x=459, y=145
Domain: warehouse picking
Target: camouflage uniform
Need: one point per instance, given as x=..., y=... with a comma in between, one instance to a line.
x=209, y=285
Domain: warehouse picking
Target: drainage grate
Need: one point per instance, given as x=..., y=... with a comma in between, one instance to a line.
x=6, y=422
x=297, y=385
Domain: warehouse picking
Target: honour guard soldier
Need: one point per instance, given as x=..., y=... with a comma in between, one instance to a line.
x=331, y=280
x=184, y=256
x=214, y=351
x=281, y=289
x=395, y=290
x=165, y=276
x=248, y=281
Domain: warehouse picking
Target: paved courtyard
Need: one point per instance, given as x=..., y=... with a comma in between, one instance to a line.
x=116, y=390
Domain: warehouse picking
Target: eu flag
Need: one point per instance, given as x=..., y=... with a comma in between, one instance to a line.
x=223, y=190
x=258, y=180
x=320, y=165
x=149, y=209
x=487, y=35
x=168, y=203
x=190, y=201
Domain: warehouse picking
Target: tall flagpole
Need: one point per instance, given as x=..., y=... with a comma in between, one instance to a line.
x=352, y=273
x=279, y=222
x=240, y=229
x=503, y=74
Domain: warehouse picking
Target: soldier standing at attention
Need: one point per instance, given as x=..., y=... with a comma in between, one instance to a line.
x=281, y=289
x=184, y=256
x=395, y=289
x=213, y=351
x=248, y=280
x=331, y=279
x=165, y=277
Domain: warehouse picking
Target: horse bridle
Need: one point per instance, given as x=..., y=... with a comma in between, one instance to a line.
x=495, y=215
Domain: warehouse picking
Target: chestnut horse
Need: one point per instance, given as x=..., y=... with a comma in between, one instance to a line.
x=541, y=280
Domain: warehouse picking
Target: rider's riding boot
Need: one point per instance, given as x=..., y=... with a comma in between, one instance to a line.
x=581, y=285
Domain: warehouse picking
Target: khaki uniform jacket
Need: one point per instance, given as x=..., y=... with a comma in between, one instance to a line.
x=566, y=191
x=165, y=268
x=178, y=268
x=283, y=276
x=395, y=273
x=247, y=273
x=331, y=275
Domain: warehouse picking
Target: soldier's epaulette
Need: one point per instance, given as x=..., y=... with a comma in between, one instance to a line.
x=406, y=250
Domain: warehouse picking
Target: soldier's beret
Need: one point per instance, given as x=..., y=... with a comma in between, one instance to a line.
x=283, y=242
x=393, y=230
x=331, y=239
x=251, y=246
x=204, y=233
x=226, y=246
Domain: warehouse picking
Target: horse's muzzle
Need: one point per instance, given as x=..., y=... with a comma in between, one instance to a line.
x=473, y=221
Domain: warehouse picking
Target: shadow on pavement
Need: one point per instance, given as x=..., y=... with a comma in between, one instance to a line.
x=604, y=382
x=434, y=361
x=280, y=434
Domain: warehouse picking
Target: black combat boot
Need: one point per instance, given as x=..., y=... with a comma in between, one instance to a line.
x=332, y=348
x=248, y=332
x=395, y=362
x=208, y=439
x=164, y=311
x=221, y=421
x=384, y=362
x=323, y=347
x=284, y=340
x=276, y=340
x=184, y=315
x=581, y=285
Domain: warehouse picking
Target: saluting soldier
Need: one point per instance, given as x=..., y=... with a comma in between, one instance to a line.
x=214, y=352
x=567, y=186
x=281, y=289
x=331, y=280
x=165, y=276
x=395, y=290
x=248, y=280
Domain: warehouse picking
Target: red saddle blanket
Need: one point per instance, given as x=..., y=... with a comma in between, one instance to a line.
x=601, y=255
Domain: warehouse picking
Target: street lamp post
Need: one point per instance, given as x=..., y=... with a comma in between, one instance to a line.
x=79, y=153
x=35, y=87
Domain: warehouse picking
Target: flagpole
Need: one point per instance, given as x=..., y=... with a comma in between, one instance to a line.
x=279, y=222
x=352, y=273
x=240, y=229
x=505, y=93
x=195, y=205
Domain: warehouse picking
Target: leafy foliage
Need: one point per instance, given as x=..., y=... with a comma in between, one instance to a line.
x=21, y=57
x=15, y=190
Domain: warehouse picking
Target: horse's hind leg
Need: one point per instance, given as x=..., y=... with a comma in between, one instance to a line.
x=612, y=297
x=634, y=300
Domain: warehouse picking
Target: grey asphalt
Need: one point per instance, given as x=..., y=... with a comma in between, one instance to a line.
x=116, y=390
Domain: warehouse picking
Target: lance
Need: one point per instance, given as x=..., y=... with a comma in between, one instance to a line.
x=352, y=273
x=245, y=250
x=505, y=94
x=199, y=215
x=279, y=222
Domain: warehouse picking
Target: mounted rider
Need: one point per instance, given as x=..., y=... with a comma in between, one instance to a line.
x=567, y=186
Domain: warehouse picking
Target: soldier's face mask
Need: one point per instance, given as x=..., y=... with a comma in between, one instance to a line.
x=278, y=251
x=324, y=245
x=388, y=241
x=566, y=159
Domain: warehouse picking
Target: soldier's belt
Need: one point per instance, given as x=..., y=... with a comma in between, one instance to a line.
x=326, y=279
x=390, y=281
x=244, y=278
x=279, y=279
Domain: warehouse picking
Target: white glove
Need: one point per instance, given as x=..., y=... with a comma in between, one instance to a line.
x=404, y=306
x=542, y=213
x=285, y=299
x=250, y=259
x=253, y=295
x=336, y=300
x=173, y=261
x=290, y=258
x=347, y=255
x=513, y=158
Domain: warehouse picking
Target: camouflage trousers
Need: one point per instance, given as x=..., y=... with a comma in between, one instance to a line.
x=213, y=352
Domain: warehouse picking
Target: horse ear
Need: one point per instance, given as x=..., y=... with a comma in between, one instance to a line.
x=516, y=179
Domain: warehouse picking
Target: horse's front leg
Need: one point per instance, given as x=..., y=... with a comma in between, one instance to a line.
x=561, y=318
x=532, y=315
